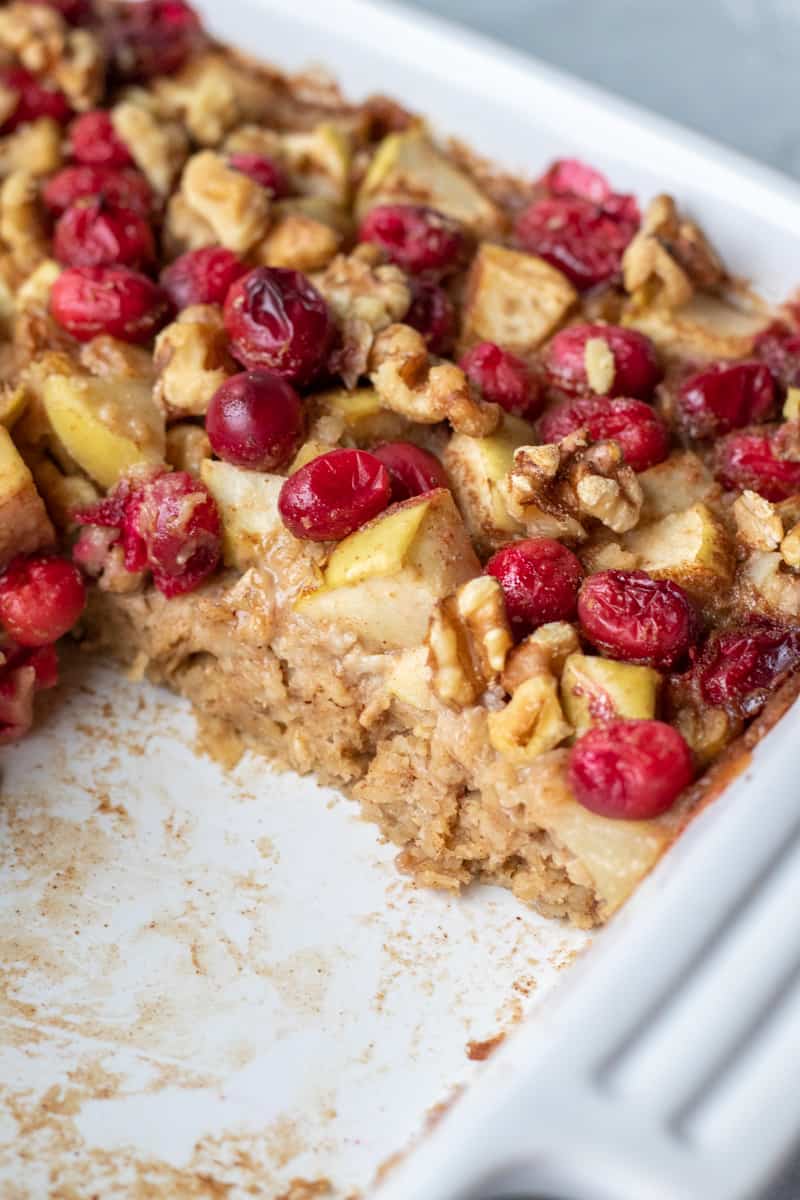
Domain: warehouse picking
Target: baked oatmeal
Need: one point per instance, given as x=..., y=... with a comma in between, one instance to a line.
x=478, y=498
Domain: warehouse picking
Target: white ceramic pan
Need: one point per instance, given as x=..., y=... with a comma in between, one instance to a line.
x=213, y=986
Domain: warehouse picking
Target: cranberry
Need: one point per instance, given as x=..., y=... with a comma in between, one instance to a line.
x=579, y=238
x=34, y=99
x=40, y=599
x=779, y=347
x=255, y=420
x=725, y=396
x=636, y=369
x=540, y=580
x=417, y=238
x=752, y=460
x=505, y=379
x=737, y=669
x=571, y=177
x=630, y=616
x=153, y=37
x=277, y=320
x=639, y=431
x=333, y=495
x=94, y=233
x=412, y=470
x=95, y=142
x=118, y=185
x=432, y=314
x=266, y=172
x=167, y=522
x=88, y=301
x=633, y=770
x=202, y=276
x=43, y=659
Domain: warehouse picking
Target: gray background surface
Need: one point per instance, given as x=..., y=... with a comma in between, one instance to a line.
x=728, y=68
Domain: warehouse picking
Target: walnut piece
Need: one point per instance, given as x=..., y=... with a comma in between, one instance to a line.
x=547, y=649
x=298, y=242
x=670, y=257
x=235, y=207
x=468, y=641
x=184, y=229
x=22, y=228
x=34, y=34
x=607, y=489
x=532, y=722
x=191, y=361
x=187, y=447
x=107, y=358
x=601, y=366
x=204, y=96
x=159, y=146
x=35, y=147
x=408, y=382
x=80, y=72
x=770, y=586
x=758, y=524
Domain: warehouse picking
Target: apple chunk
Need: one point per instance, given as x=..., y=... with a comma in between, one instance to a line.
x=105, y=425
x=248, y=505
x=24, y=523
x=594, y=690
x=514, y=299
x=476, y=466
x=383, y=581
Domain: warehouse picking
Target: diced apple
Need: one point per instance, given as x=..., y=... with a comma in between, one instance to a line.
x=105, y=425
x=691, y=547
x=365, y=419
x=309, y=450
x=670, y=486
x=248, y=505
x=706, y=327
x=409, y=169
x=24, y=523
x=594, y=690
x=319, y=161
x=476, y=466
x=12, y=404
x=383, y=581
x=514, y=299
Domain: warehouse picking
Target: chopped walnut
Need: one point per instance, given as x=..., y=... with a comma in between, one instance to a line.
x=107, y=358
x=670, y=257
x=547, y=649
x=299, y=242
x=408, y=382
x=81, y=71
x=63, y=494
x=608, y=556
x=468, y=641
x=34, y=34
x=36, y=147
x=34, y=293
x=254, y=139
x=184, y=229
x=601, y=366
x=159, y=146
x=235, y=207
x=204, y=96
x=481, y=607
x=191, y=361
x=770, y=587
x=22, y=227
x=187, y=447
x=607, y=489
x=532, y=722
x=758, y=525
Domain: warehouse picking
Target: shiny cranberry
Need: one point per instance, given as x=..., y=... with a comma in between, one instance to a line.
x=202, y=276
x=40, y=599
x=540, y=580
x=636, y=370
x=570, y=177
x=578, y=237
x=277, y=321
x=630, y=616
x=255, y=420
x=94, y=233
x=34, y=99
x=333, y=495
x=432, y=314
x=95, y=142
x=740, y=667
x=117, y=185
x=639, y=431
x=153, y=37
x=43, y=659
x=725, y=396
x=417, y=238
x=779, y=348
x=752, y=460
x=630, y=770
x=412, y=470
x=504, y=379
x=266, y=172
x=88, y=301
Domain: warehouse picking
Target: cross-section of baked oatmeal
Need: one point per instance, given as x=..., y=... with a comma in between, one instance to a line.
x=476, y=497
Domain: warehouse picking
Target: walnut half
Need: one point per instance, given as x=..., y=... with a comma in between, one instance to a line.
x=670, y=257
x=468, y=642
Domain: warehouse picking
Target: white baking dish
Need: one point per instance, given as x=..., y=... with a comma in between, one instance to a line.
x=218, y=982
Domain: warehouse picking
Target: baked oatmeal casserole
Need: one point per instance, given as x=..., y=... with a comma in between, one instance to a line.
x=478, y=498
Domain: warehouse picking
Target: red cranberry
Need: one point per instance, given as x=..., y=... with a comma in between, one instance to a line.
x=43, y=659
x=334, y=495
x=505, y=379
x=88, y=301
x=432, y=314
x=95, y=142
x=581, y=239
x=726, y=396
x=417, y=238
x=167, y=522
x=202, y=276
x=255, y=420
x=633, y=770
x=94, y=233
x=154, y=37
x=40, y=599
x=540, y=580
x=779, y=348
x=752, y=460
x=266, y=172
x=639, y=431
x=117, y=185
x=630, y=616
x=412, y=470
x=277, y=321
x=738, y=669
x=636, y=369
x=34, y=99
x=571, y=177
